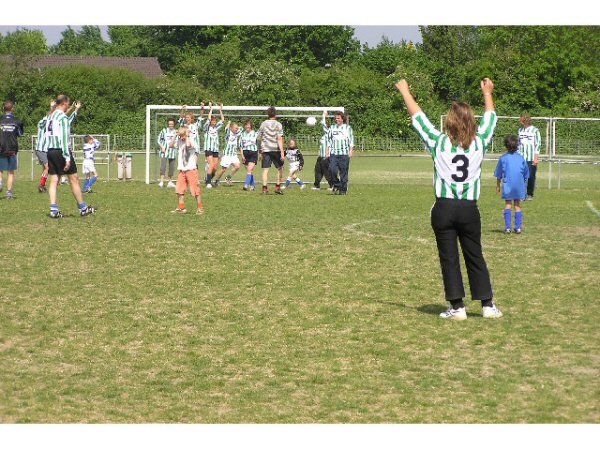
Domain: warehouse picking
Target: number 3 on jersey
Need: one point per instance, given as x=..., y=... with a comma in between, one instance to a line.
x=462, y=167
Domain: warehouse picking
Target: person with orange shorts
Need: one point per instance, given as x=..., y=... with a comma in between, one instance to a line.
x=187, y=164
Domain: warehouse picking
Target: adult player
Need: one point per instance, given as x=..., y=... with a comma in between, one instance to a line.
x=529, y=146
x=60, y=158
x=211, y=143
x=72, y=116
x=11, y=129
x=270, y=136
x=322, y=163
x=168, y=154
x=340, y=148
x=457, y=157
x=249, y=153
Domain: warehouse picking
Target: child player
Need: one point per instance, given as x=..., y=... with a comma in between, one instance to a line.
x=249, y=153
x=512, y=172
x=230, y=157
x=168, y=154
x=187, y=164
x=296, y=160
x=89, y=168
x=211, y=143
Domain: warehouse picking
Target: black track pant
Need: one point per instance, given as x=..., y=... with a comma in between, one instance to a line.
x=322, y=170
x=531, y=180
x=455, y=221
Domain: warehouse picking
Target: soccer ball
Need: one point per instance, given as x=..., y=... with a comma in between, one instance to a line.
x=311, y=121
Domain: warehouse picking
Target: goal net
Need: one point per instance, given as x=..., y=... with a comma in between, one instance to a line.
x=103, y=157
x=576, y=138
x=293, y=120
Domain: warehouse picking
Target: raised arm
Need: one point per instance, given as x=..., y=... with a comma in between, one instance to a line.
x=221, y=111
x=412, y=106
x=183, y=111
x=487, y=87
x=210, y=108
x=201, y=111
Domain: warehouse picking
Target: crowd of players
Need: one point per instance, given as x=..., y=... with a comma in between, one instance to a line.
x=457, y=155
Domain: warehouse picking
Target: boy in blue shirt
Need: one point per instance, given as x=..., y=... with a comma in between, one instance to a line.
x=513, y=172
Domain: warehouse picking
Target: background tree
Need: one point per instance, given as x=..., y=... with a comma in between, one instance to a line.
x=88, y=42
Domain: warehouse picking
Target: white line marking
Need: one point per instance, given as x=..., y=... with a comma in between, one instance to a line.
x=591, y=206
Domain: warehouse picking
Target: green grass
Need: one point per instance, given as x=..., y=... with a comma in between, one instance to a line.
x=302, y=308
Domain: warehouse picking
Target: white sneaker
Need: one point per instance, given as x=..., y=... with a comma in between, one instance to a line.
x=209, y=186
x=171, y=184
x=314, y=188
x=491, y=312
x=303, y=186
x=454, y=314
x=161, y=184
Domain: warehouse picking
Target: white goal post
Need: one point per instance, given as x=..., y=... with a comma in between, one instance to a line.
x=259, y=111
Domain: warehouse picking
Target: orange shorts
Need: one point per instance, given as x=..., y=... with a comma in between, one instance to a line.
x=188, y=178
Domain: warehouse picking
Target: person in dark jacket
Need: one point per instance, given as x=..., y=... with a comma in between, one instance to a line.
x=11, y=128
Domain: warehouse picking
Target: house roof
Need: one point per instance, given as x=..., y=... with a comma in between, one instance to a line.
x=147, y=66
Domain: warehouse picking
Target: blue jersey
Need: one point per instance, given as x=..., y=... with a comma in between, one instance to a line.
x=513, y=171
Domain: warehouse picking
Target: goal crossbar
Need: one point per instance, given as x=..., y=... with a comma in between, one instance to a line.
x=263, y=109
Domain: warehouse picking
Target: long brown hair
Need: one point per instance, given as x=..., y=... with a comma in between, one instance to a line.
x=460, y=124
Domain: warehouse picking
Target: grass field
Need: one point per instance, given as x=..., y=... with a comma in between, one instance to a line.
x=302, y=308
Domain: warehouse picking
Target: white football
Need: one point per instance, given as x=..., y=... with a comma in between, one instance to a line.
x=311, y=121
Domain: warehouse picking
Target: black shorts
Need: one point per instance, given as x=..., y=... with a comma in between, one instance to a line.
x=250, y=157
x=56, y=163
x=272, y=158
x=213, y=154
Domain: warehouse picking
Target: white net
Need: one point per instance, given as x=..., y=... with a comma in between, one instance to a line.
x=103, y=157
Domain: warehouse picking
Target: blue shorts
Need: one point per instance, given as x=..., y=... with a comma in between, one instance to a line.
x=8, y=163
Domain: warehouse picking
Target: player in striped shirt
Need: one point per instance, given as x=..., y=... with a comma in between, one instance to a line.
x=230, y=154
x=457, y=156
x=72, y=116
x=340, y=145
x=41, y=149
x=211, y=143
x=168, y=154
x=529, y=146
x=187, y=119
x=249, y=153
x=89, y=166
x=296, y=160
x=322, y=164
x=60, y=158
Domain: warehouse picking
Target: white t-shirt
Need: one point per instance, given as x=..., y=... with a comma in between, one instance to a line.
x=187, y=158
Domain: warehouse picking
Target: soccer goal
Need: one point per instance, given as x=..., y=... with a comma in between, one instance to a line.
x=102, y=156
x=293, y=119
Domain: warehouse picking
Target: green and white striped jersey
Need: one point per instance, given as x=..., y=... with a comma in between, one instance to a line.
x=248, y=141
x=456, y=171
x=165, y=138
x=340, y=139
x=323, y=142
x=232, y=142
x=211, y=136
x=72, y=118
x=194, y=130
x=42, y=141
x=529, y=142
x=57, y=132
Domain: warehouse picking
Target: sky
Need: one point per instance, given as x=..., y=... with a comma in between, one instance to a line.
x=369, y=34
